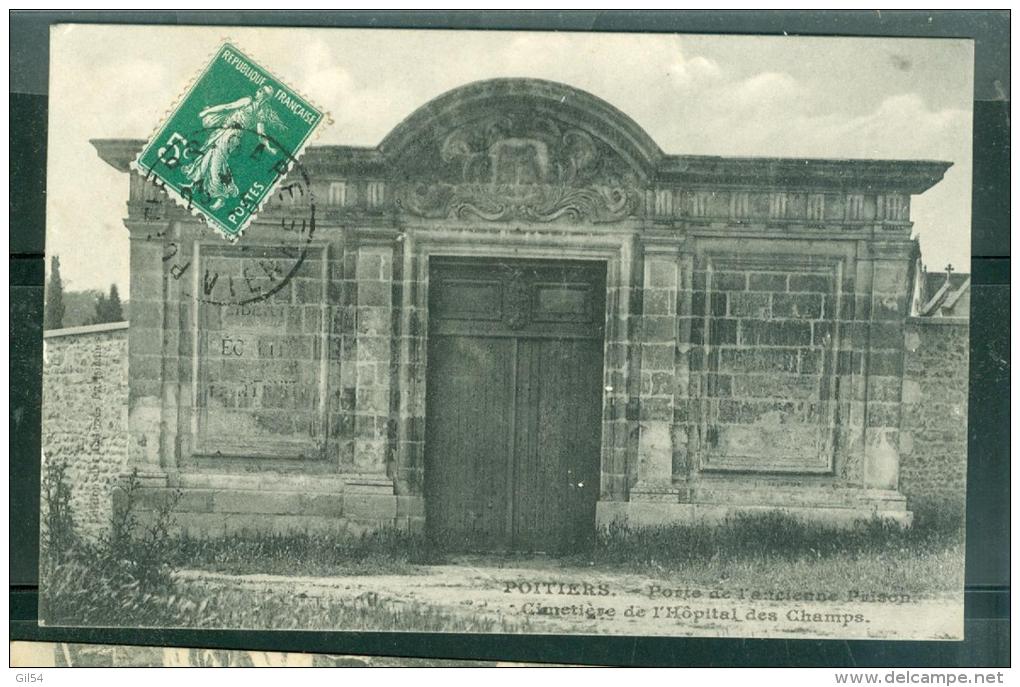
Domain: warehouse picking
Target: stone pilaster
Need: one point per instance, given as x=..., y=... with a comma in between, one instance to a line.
x=616, y=424
x=374, y=330
x=343, y=367
x=145, y=352
x=682, y=420
x=658, y=344
x=884, y=368
x=412, y=353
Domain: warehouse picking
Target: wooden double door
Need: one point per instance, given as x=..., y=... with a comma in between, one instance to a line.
x=514, y=403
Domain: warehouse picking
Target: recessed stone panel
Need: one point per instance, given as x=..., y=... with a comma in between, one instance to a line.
x=259, y=361
x=768, y=356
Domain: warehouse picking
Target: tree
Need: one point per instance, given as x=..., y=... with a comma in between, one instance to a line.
x=114, y=311
x=53, y=316
x=108, y=308
x=98, y=317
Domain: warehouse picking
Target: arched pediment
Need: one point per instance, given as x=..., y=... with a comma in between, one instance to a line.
x=520, y=148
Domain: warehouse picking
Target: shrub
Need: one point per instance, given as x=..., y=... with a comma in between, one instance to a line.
x=113, y=578
x=57, y=536
x=147, y=551
x=940, y=517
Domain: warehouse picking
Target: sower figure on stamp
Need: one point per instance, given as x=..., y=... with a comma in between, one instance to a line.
x=210, y=172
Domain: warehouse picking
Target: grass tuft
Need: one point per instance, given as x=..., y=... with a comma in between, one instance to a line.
x=778, y=550
x=384, y=551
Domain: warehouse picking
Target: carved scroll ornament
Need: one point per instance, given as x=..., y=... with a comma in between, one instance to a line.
x=518, y=166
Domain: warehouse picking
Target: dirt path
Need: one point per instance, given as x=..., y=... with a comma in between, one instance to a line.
x=548, y=597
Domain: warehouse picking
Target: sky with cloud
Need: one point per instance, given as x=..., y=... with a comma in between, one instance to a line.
x=711, y=95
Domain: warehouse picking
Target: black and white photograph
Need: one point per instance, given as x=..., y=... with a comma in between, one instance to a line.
x=505, y=332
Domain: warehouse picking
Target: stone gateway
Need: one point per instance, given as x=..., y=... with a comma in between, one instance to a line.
x=517, y=319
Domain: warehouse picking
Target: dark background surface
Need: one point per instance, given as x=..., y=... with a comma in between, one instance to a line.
x=987, y=583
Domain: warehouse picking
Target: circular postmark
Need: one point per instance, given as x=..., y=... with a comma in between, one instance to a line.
x=237, y=273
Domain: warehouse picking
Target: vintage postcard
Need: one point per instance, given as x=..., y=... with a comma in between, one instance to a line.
x=513, y=332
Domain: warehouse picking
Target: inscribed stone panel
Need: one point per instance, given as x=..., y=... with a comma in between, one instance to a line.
x=260, y=364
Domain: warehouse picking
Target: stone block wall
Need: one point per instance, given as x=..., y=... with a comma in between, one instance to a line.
x=85, y=416
x=85, y=407
x=277, y=360
x=933, y=443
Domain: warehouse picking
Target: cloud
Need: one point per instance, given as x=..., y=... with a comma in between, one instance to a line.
x=766, y=89
x=685, y=73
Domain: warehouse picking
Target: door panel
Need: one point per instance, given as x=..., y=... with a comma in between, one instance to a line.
x=513, y=414
x=467, y=428
x=557, y=443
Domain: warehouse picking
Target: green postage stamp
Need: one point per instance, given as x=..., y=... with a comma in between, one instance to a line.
x=229, y=142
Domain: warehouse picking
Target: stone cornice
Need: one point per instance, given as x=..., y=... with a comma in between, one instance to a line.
x=683, y=171
x=862, y=176
x=118, y=152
